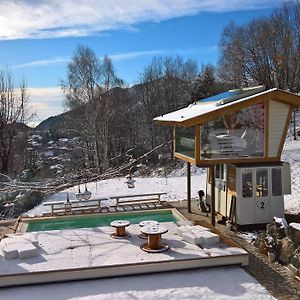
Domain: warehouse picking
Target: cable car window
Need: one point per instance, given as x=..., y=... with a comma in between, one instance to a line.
x=247, y=183
x=262, y=182
x=276, y=182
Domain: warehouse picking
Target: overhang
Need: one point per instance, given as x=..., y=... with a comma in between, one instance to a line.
x=201, y=112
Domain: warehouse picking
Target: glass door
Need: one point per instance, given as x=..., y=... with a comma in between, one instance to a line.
x=262, y=196
x=246, y=211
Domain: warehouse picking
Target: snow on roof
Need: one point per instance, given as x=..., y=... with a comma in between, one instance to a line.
x=199, y=109
x=193, y=110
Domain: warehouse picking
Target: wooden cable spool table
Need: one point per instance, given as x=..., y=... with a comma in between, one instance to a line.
x=154, y=233
x=146, y=223
x=120, y=226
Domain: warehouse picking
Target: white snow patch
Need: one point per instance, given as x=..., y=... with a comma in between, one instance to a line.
x=295, y=225
x=57, y=167
x=281, y=221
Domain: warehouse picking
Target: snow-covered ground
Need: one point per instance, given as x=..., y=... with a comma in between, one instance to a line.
x=291, y=154
x=215, y=283
x=93, y=247
x=174, y=185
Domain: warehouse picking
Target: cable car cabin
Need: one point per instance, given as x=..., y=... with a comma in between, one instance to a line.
x=250, y=193
x=241, y=133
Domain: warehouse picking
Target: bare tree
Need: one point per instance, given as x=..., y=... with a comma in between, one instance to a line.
x=88, y=79
x=108, y=74
x=264, y=51
x=164, y=87
x=206, y=84
x=13, y=105
x=83, y=78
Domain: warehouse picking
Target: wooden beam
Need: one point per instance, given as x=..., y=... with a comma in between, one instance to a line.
x=208, y=162
x=197, y=143
x=185, y=158
x=213, y=207
x=189, y=187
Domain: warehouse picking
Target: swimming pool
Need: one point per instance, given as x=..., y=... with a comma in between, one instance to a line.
x=71, y=222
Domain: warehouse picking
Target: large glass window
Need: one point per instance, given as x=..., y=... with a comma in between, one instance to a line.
x=276, y=182
x=262, y=182
x=185, y=141
x=239, y=134
x=247, y=183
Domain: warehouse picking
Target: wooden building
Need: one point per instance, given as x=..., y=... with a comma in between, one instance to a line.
x=240, y=135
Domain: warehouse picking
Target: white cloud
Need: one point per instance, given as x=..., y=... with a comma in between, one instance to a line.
x=135, y=54
x=45, y=62
x=119, y=56
x=62, y=60
x=45, y=102
x=62, y=18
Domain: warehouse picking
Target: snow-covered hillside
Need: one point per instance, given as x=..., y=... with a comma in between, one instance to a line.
x=291, y=154
x=174, y=185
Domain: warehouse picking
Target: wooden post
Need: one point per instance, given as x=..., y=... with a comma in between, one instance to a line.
x=189, y=187
x=294, y=123
x=213, y=208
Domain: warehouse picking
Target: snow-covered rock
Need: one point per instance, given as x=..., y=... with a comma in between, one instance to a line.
x=287, y=250
x=293, y=233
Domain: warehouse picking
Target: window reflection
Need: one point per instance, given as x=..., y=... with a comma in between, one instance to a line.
x=238, y=134
x=185, y=141
x=276, y=182
x=262, y=182
x=247, y=183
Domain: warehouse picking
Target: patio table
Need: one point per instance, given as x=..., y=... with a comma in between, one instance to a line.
x=120, y=226
x=154, y=233
x=145, y=223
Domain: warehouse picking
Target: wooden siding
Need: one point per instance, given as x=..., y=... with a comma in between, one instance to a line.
x=277, y=119
x=231, y=179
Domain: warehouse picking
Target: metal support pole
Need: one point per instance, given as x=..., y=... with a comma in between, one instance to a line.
x=213, y=208
x=189, y=187
x=294, y=123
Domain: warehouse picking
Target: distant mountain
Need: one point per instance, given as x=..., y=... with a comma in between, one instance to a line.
x=64, y=120
x=54, y=123
x=120, y=94
x=22, y=127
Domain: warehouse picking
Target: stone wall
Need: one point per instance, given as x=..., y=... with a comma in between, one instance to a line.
x=281, y=242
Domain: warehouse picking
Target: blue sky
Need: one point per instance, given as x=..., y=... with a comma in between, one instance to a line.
x=38, y=38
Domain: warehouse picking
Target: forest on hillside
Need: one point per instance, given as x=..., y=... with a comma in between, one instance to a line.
x=109, y=124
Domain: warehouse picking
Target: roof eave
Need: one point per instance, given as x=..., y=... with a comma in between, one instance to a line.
x=273, y=94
